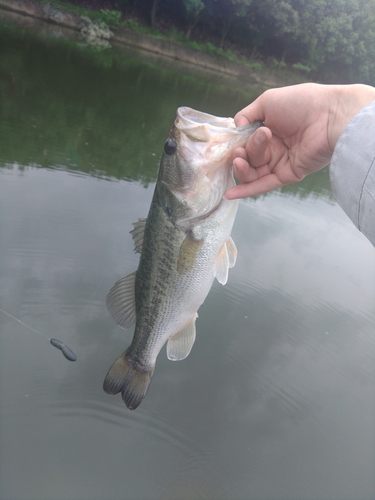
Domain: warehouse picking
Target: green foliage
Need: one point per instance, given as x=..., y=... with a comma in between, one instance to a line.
x=211, y=49
x=256, y=65
x=111, y=17
x=193, y=8
x=139, y=28
x=301, y=67
x=132, y=24
x=177, y=35
x=278, y=64
x=334, y=39
x=74, y=9
x=340, y=36
x=229, y=55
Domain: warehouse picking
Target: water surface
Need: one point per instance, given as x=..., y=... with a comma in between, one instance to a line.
x=276, y=399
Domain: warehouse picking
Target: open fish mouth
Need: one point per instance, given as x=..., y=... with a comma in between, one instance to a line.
x=199, y=126
x=205, y=146
x=212, y=136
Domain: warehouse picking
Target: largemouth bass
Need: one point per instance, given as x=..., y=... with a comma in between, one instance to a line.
x=184, y=244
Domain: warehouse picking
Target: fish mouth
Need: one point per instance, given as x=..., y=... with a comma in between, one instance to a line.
x=200, y=126
x=203, y=161
x=210, y=137
x=205, y=146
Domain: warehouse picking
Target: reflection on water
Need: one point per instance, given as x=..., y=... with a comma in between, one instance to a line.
x=276, y=399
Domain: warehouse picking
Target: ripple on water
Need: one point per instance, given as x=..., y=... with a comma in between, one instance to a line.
x=193, y=474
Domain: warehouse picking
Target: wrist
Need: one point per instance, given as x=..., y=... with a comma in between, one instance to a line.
x=346, y=102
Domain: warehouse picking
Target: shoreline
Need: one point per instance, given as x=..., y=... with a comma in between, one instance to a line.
x=26, y=10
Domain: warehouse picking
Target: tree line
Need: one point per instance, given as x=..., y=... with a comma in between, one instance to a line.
x=330, y=39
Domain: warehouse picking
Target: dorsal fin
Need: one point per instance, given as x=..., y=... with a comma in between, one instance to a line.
x=121, y=301
x=137, y=234
x=179, y=346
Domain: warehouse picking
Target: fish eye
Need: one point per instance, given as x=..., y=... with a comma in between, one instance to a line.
x=170, y=146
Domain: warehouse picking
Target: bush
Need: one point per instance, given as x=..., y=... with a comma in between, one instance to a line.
x=256, y=65
x=111, y=17
x=301, y=67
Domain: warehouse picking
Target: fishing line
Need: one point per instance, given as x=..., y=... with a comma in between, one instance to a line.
x=67, y=352
x=24, y=324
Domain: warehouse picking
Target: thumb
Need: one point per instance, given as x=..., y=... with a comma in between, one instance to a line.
x=252, y=113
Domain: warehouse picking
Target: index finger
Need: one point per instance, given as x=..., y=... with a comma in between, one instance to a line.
x=262, y=185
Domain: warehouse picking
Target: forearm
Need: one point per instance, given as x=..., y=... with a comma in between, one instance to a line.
x=352, y=170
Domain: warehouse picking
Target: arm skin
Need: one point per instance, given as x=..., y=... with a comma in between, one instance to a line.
x=302, y=124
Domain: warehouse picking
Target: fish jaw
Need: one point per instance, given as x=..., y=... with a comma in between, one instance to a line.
x=200, y=170
x=208, y=141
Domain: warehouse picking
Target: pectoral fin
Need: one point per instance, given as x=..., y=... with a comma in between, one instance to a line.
x=179, y=346
x=188, y=253
x=138, y=233
x=225, y=259
x=121, y=301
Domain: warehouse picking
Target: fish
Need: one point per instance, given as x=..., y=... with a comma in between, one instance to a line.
x=184, y=244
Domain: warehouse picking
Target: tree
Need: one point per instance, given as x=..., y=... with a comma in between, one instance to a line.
x=155, y=5
x=340, y=37
x=193, y=10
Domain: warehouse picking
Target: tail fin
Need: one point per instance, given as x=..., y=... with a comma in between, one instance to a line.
x=127, y=377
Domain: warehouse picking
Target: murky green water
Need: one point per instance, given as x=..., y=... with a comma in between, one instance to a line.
x=277, y=398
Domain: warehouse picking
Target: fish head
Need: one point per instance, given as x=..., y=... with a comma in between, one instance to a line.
x=196, y=167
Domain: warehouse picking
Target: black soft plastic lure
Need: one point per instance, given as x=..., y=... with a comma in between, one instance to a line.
x=68, y=353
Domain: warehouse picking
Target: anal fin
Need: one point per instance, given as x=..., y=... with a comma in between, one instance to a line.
x=232, y=251
x=179, y=346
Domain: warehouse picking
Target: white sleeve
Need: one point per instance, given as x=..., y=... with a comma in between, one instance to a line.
x=352, y=171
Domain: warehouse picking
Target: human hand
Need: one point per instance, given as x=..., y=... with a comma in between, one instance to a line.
x=302, y=124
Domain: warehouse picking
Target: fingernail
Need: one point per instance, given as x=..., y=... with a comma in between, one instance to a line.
x=260, y=138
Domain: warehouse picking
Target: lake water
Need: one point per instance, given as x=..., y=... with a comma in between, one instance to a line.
x=277, y=398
